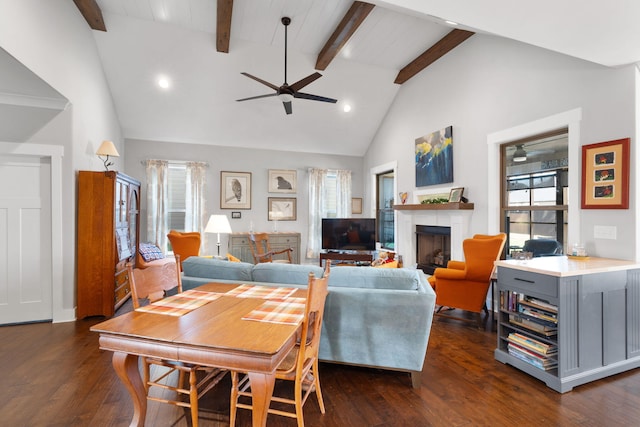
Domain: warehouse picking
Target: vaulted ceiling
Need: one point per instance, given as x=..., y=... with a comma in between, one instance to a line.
x=365, y=51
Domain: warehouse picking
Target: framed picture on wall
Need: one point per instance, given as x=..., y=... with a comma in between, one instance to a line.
x=282, y=209
x=356, y=205
x=235, y=190
x=283, y=181
x=605, y=175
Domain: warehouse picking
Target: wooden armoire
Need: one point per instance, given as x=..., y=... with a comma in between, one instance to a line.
x=107, y=239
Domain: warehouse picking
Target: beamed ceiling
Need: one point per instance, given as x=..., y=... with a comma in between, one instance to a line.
x=365, y=51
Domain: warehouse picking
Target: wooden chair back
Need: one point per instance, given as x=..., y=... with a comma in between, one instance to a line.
x=152, y=282
x=261, y=249
x=317, y=292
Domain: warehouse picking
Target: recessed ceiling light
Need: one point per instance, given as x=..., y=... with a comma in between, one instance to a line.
x=455, y=24
x=164, y=82
x=346, y=108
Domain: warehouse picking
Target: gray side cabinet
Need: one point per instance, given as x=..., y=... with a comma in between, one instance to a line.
x=598, y=324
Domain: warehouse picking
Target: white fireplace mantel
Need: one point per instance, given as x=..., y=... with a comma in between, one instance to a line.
x=456, y=216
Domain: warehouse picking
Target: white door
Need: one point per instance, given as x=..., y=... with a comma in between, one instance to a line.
x=25, y=239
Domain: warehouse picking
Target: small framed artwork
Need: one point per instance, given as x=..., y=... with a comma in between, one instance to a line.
x=235, y=190
x=356, y=205
x=282, y=208
x=236, y=215
x=455, y=196
x=605, y=175
x=283, y=181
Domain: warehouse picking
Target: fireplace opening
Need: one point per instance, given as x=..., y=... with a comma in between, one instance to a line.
x=433, y=247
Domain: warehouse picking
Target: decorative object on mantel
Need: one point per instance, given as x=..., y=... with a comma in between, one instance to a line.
x=435, y=201
x=605, y=175
x=107, y=149
x=456, y=194
x=434, y=206
x=403, y=197
x=434, y=158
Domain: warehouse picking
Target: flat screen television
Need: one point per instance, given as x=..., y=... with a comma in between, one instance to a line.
x=349, y=234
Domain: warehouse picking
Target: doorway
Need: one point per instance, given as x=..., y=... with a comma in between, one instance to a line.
x=385, y=213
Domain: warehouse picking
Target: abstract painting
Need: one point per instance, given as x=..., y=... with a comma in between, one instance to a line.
x=434, y=158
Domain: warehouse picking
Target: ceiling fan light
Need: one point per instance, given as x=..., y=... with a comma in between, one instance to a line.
x=285, y=97
x=520, y=155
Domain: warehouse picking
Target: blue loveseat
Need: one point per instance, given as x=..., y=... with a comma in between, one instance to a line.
x=374, y=317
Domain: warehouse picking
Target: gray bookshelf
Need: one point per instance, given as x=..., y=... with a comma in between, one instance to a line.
x=598, y=316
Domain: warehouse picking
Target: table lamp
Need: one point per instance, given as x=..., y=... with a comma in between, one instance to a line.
x=107, y=149
x=218, y=224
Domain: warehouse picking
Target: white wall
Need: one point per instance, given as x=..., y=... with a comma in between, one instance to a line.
x=53, y=40
x=488, y=84
x=258, y=162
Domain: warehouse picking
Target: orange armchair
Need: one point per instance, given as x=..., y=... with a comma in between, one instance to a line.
x=464, y=285
x=184, y=244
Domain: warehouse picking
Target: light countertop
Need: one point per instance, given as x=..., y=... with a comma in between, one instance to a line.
x=562, y=266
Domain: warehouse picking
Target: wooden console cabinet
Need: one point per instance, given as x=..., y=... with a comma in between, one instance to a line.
x=107, y=239
x=239, y=245
x=595, y=305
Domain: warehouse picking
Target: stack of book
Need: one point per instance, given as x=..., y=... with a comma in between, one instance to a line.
x=534, y=352
x=537, y=316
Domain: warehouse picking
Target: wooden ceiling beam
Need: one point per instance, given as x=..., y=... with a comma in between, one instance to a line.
x=431, y=55
x=223, y=25
x=347, y=27
x=92, y=13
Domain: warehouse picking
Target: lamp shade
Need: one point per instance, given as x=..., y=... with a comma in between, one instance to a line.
x=107, y=149
x=520, y=155
x=218, y=224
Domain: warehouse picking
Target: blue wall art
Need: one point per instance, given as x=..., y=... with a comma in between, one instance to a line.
x=434, y=158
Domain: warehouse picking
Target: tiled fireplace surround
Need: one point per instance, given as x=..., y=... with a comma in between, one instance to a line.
x=457, y=220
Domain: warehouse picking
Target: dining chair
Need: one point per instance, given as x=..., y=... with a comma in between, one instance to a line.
x=301, y=364
x=185, y=244
x=152, y=284
x=261, y=250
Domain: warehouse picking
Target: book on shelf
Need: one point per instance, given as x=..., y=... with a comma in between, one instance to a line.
x=532, y=344
x=547, y=329
x=540, y=315
x=531, y=358
x=539, y=304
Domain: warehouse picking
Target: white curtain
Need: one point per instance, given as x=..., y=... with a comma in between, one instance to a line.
x=317, y=204
x=343, y=195
x=195, y=200
x=316, y=211
x=157, y=197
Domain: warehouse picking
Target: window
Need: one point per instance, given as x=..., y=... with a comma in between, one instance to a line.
x=177, y=205
x=535, y=189
x=330, y=194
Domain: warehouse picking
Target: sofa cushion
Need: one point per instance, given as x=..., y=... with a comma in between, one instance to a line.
x=212, y=268
x=375, y=278
x=272, y=272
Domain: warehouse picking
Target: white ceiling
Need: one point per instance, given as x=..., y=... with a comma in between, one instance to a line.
x=176, y=38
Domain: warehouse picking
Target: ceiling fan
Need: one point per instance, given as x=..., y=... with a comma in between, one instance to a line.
x=287, y=92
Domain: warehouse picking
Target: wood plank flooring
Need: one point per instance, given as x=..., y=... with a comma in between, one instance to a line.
x=55, y=375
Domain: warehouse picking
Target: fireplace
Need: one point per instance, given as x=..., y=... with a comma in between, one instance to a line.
x=433, y=247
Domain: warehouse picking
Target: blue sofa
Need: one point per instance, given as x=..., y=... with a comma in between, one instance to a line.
x=374, y=317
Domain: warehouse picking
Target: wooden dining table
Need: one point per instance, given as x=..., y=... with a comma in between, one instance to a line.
x=214, y=334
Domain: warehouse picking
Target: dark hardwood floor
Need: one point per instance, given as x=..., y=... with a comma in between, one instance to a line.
x=55, y=375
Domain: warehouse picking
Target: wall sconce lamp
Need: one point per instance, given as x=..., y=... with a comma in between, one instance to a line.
x=107, y=149
x=218, y=224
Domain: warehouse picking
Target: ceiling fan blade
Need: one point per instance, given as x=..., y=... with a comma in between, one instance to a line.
x=302, y=83
x=287, y=107
x=257, y=97
x=314, y=97
x=264, y=82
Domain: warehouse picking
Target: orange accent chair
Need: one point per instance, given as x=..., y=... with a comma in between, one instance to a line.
x=464, y=285
x=184, y=244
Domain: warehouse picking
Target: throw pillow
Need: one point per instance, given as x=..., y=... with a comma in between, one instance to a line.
x=392, y=264
x=150, y=252
x=232, y=258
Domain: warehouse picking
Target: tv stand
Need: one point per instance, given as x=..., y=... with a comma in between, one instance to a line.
x=346, y=256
